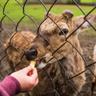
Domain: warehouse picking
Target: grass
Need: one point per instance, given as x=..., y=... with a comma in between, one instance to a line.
x=88, y=1
x=15, y=12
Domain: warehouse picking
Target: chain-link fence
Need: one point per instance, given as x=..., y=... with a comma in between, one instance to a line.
x=56, y=79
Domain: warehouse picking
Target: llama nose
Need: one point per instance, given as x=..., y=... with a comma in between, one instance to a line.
x=31, y=54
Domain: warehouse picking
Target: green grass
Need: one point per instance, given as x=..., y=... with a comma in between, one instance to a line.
x=88, y=1
x=15, y=12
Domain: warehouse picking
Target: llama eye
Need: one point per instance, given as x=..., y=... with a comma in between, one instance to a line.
x=63, y=32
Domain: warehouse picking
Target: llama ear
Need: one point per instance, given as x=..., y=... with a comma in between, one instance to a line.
x=67, y=14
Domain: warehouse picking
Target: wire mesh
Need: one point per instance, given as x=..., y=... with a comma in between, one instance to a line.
x=6, y=30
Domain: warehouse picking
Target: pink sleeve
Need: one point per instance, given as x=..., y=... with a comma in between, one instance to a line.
x=9, y=86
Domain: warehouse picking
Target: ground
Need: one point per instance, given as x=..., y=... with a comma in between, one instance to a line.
x=88, y=40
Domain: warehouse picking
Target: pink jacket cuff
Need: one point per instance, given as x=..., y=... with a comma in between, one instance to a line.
x=10, y=85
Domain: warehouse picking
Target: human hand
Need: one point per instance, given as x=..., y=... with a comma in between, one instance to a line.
x=27, y=82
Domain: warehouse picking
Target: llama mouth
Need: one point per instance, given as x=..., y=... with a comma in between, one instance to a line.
x=41, y=63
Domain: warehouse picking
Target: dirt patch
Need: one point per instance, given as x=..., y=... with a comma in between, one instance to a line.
x=88, y=40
